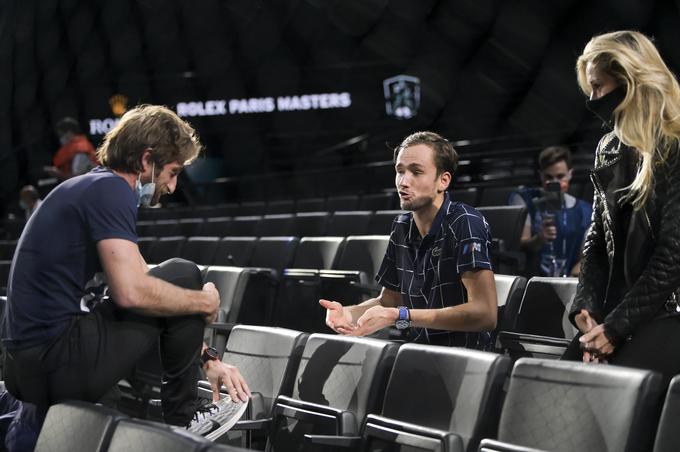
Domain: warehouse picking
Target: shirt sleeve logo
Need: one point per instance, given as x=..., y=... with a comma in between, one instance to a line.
x=471, y=247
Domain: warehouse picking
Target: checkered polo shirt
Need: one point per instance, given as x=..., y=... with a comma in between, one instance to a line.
x=426, y=270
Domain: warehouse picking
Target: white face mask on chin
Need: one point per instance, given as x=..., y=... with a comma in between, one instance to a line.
x=145, y=192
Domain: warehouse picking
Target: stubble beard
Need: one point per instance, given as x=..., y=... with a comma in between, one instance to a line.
x=416, y=204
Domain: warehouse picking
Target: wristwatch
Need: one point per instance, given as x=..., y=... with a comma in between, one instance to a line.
x=209, y=354
x=404, y=320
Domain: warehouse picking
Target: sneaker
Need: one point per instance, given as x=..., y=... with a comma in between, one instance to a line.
x=213, y=419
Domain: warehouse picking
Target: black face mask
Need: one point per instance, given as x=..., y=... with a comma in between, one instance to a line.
x=605, y=105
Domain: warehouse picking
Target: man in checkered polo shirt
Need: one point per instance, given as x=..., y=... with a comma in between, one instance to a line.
x=438, y=286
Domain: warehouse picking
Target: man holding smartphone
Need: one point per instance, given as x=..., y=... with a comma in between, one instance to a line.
x=556, y=221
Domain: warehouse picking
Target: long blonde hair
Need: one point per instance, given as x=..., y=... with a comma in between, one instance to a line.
x=648, y=118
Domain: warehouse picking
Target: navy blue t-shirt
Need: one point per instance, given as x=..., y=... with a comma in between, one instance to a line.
x=56, y=272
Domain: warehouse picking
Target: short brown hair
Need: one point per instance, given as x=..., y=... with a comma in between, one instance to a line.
x=445, y=156
x=170, y=138
x=553, y=154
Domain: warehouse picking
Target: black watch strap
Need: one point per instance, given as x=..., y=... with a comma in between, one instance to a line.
x=209, y=354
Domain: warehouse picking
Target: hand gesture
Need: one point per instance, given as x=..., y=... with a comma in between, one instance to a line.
x=375, y=319
x=221, y=374
x=596, y=344
x=338, y=318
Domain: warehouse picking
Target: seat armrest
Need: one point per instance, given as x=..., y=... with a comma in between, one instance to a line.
x=223, y=327
x=348, y=442
x=256, y=424
x=492, y=445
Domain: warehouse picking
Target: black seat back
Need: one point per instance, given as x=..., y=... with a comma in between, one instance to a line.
x=459, y=390
x=348, y=223
x=235, y=251
x=568, y=406
x=668, y=433
x=200, y=250
x=544, y=308
x=340, y=379
x=506, y=223
x=274, y=252
x=317, y=252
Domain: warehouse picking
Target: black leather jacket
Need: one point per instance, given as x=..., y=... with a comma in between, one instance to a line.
x=631, y=261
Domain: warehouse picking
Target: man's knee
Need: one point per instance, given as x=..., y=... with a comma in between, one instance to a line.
x=179, y=272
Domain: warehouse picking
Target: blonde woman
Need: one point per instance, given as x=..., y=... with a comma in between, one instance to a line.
x=626, y=305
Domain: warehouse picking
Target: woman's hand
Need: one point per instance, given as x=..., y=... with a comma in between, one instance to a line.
x=221, y=374
x=584, y=322
x=596, y=345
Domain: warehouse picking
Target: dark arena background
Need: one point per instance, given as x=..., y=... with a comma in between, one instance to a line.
x=299, y=105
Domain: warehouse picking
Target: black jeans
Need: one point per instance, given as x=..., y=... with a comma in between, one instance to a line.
x=98, y=349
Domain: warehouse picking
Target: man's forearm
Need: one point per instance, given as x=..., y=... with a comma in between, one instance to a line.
x=156, y=297
x=464, y=317
x=358, y=310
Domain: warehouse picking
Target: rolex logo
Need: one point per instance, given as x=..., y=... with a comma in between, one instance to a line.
x=118, y=104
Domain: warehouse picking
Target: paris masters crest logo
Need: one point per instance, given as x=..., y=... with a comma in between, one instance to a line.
x=402, y=96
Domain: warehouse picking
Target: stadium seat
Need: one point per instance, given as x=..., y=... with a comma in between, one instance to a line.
x=567, y=406
x=456, y=404
x=252, y=208
x=274, y=225
x=166, y=228
x=378, y=201
x=352, y=278
x=274, y=252
x=495, y=196
x=191, y=226
x=235, y=251
x=283, y=206
x=317, y=252
x=297, y=305
x=509, y=292
x=348, y=223
x=244, y=225
x=310, y=224
x=668, y=433
x=216, y=226
x=310, y=205
x=467, y=196
x=132, y=434
x=146, y=228
x=340, y=379
x=77, y=425
x=381, y=221
x=268, y=359
x=165, y=248
x=342, y=203
x=506, y=224
x=539, y=326
x=200, y=250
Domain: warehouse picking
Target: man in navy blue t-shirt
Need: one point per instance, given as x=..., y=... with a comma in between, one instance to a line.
x=82, y=306
x=436, y=274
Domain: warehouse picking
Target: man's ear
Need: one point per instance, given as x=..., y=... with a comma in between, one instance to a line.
x=445, y=180
x=146, y=160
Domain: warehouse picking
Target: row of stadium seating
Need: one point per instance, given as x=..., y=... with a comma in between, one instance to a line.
x=328, y=392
